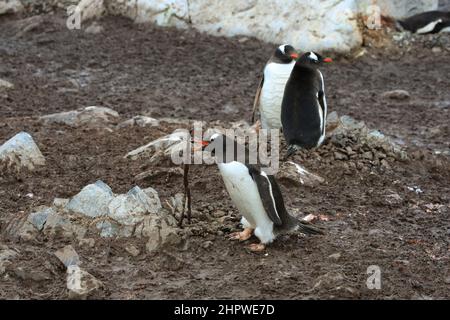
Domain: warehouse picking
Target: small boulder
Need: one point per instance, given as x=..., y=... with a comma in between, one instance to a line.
x=89, y=116
x=139, y=121
x=68, y=256
x=92, y=201
x=396, y=95
x=10, y=6
x=292, y=173
x=81, y=283
x=5, y=84
x=6, y=257
x=21, y=152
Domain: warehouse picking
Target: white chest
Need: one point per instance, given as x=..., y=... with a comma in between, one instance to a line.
x=276, y=76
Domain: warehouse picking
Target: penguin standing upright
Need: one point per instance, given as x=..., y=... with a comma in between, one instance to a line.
x=304, y=106
x=256, y=195
x=271, y=87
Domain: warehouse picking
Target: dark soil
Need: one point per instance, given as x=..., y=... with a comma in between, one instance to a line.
x=168, y=73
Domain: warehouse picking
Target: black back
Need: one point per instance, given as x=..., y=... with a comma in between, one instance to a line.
x=300, y=116
x=420, y=20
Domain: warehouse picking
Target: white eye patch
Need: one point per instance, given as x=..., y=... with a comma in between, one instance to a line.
x=282, y=48
x=214, y=136
x=313, y=56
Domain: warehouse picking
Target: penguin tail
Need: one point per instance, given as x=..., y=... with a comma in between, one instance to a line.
x=292, y=149
x=307, y=228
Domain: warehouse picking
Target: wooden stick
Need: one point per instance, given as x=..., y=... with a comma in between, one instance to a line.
x=187, y=197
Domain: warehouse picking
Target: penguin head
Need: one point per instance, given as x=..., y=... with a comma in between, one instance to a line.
x=313, y=59
x=218, y=145
x=285, y=54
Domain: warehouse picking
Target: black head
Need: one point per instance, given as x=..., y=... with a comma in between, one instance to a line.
x=312, y=59
x=285, y=54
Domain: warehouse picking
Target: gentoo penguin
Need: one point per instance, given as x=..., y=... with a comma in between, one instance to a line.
x=304, y=106
x=427, y=22
x=271, y=87
x=255, y=193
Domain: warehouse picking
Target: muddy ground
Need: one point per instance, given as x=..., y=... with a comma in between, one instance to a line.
x=373, y=217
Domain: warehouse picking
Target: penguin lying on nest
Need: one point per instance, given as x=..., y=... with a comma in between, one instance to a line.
x=427, y=22
x=255, y=193
x=304, y=106
x=271, y=87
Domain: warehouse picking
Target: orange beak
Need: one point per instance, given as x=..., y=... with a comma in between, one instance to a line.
x=199, y=145
x=327, y=60
x=294, y=56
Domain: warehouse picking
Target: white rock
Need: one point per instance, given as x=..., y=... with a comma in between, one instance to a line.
x=94, y=28
x=6, y=255
x=10, y=6
x=21, y=152
x=39, y=217
x=6, y=84
x=140, y=121
x=161, y=148
x=92, y=201
x=399, y=8
x=293, y=173
x=91, y=9
x=130, y=208
x=313, y=25
x=396, y=95
x=81, y=283
x=68, y=256
x=85, y=117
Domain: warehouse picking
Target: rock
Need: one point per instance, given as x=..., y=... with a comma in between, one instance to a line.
x=60, y=202
x=335, y=256
x=368, y=155
x=10, y=6
x=68, y=256
x=274, y=21
x=89, y=116
x=160, y=12
x=310, y=217
x=81, y=283
x=92, y=201
x=33, y=275
x=94, y=28
x=291, y=173
x=130, y=208
x=6, y=257
x=107, y=229
x=139, y=121
x=393, y=199
x=39, y=218
x=160, y=232
x=132, y=250
x=399, y=8
x=87, y=242
x=21, y=152
x=58, y=224
x=162, y=148
x=5, y=84
x=396, y=95
x=90, y=9
x=340, y=156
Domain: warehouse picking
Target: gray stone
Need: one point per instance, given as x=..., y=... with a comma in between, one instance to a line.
x=94, y=28
x=396, y=95
x=130, y=208
x=10, y=6
x=5, y=84
x=107, y=229
x=21, y=152
x=81, y=283
x=6, y=257
x=293, y=173
x=89, y=116
x=335, y=256
x=92, y=201
x=68, y=256
x=132, y=250
x=139, y=121
x=39, y=218
x=163, y=148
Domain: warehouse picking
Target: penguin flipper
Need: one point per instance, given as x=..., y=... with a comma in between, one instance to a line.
x=270, y=194
x=257, y=96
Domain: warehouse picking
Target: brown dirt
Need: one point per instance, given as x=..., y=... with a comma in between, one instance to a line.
x=184, y=74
